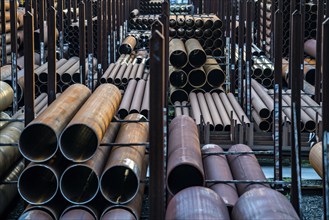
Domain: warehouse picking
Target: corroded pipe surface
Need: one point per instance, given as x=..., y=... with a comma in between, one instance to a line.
x=128, y=45
x=138, y=96
x=127, y=98
x=196, y=55
x=120, y=180
x=50, y=124
x=263, y=203
x=185, y=167
x=81, y=137
x=315, y=158
x=177, y=53
x=79, y=183
x=6, y=95
x=217, y=168
x=245, y=167
x=197, y=203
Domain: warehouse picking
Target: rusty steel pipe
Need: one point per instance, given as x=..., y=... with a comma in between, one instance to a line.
x=79, y=183
x=214, y=113
x=120, y=181
x=177, y=77
x=184, y=167
x=146, y=100
x=196, y=55
x=118, y=77
x=62, y=70
x=310, y=47
x=216, y=168
x=238, y=109
x=134, y=207
x=128, y=45
x=259, y=105
x=79, y=212
x=138, y=96
x=266, y=98
x=196, y=112
x=43, y=76
x=206, y=115
x=197, y=203
x=215, y=75
x=39, y=183
x=315, y=158
x=262, y=203
x=225, y=116
x=263, y=124
x=6, y=95
x=107, y=73
x=81, y=137
x=177, y=53
x=125, y=77
x=177, y=94
x=50, y=124
x=197, y=77
x=245, y=167
x=127, y=99
x=140, y=70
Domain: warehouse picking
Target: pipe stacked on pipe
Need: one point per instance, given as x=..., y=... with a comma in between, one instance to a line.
x=309, y=71
x=217, y=110
x=142, y=22
x=191, y=70
x=150, y=7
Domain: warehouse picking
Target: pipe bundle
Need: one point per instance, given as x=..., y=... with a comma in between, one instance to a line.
x=308, y=72
x=206, y=28
x=142, y=22
x=191, y=70
x=150, y=7
x=216, y=110
x=181, y=9
x=135, y=40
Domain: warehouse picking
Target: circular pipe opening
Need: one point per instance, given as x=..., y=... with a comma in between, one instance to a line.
x=257, y=72
x=178, y=58
x=197, y=58
x=178, y=78
x=264, y=126
x=66, y=78
x=79, y=184
x=76, y=77
x=267, y=72
x=310, y=126
x=267, y=82
x=125, y=49
x=219, y=127
x=77, y=212
x=216, y=78
x=38, y=142
x=184, y=176
x=78, y=142
x=178, y=95
x=310, y=76
x=43, y=77
x=217, y=52
x=119, y=184
x=264, y=113
x=197, y=78
x=38, y=184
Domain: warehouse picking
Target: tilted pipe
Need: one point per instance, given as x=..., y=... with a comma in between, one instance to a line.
x=128, y=45
x=196, y=55
x=146, y=100
x=197, y=203
x=259, y=105
x=127, y=98
x=79, y=183
x=223, y=114
x=196, y=112
x=6, y=95
x=245, y=167
x=81, y=137
x=184, y=167
x=50, y=124
x=120, y=180
x=263, y=203
x=206, y=115
x=216, y=168
x=177, y=53
x=214, y=113
x=263, y=124
x=138, y=96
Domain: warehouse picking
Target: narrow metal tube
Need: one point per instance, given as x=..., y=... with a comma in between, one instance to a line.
x=315, y=158
x=138, y=96
x=218, y=124
x=205, y=111
x=146, y=100
x=127, y=98
x=225, y=116
x=263, y=125
x=81, y=137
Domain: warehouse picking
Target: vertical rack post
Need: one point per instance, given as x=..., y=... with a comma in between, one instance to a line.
x=90, y=44
x=82, y=42
x=228, y=40
x=241, y=52
x=99, y=39
x=74, y=5
x=13, y=35
x=264, y=25
x=233, y=41
x=110, y=31
x=52, y=81
x=278, y=38
x=69, y=12
x=60, y=5
x=318, y=75
x=29, y=87
x=295, y=51
x=42, y=31
x=3, y=33
x=104, y=37
x=248, y=58
x=157, y=208
x=35, y=12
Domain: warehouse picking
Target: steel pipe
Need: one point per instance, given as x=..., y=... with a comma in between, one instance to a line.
x=81, y=137
x=259, y=105
x=146, y=100
x=263, y=124
x=185, y=167
x=61, y=71
x=315, y=158
x=218, y=124
x=260, y=203
x=216, y=168
x=225, y=116
x=310, y=47
x=197, y=77
x=79, y=212
x=245, y=167
x=120, y=180
x=127, y=98
x=177, y=53
x=197, y=203
x=138, y=96
x=177, y=94
x=196, y=112
x=6, y=95
x=196, y=55
x=177, y=77
x=206, y=115
x=128, y=45
x=50, y=124
x=215, y=75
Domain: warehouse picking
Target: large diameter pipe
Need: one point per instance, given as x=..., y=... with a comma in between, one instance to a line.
x=81, y=137
x=177, y=77
x=120, y=180
x=177, y=53
x=8, y=192
x=49, y=125
x=177, y=94
x=128, y=45
x=79, y=212
x=215, y=75
x=39, y=183
x=36, y=213
x=4, y=115
x=6, y=95
x=217, y=168
x=197, y=77
x=196, y=55
x=185, y=167
x=263, y=203
x=245, y=167
x=315, y=158
x=197, y=203
x=79, y=183
x=310, y=47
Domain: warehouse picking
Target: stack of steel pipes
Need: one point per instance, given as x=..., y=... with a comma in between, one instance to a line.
x=126, y=68
x=136, y=40
x=150, y=6
x=191, y=70
x=263, y=105
x=206, y=28
x=181, y=9
x=136, y=98
x=266, y=27
x=262, y=71
x=11, y=164
x=217, y=110
x=7, y=29
x=141, y=22
x=181, y=108
x=71, y=174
